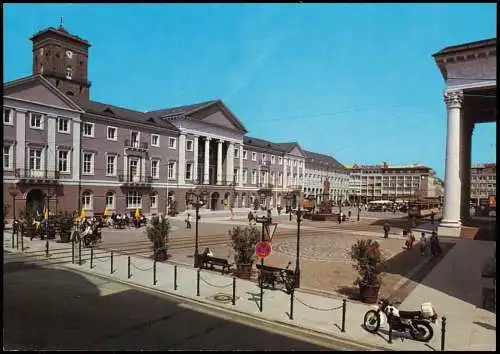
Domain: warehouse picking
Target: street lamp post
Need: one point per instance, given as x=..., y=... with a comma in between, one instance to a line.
x=13, y=193
x=340, y=209
x=297, y=257
x=197, y=203
x=359, y=206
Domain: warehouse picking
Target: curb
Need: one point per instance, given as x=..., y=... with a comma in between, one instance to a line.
x=359, y=344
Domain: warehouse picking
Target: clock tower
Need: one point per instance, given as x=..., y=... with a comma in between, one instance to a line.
x=62, y=58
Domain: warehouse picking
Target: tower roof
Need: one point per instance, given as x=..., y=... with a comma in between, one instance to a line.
x=62, y=32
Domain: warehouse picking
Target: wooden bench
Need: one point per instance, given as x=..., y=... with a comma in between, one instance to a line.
x=271, y=275
x=207, y=260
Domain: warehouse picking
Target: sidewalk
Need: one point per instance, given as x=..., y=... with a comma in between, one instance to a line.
x=312, y=312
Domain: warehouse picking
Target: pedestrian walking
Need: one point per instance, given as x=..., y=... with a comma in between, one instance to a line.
x=435, y=246
x=188, y=221
x=250, y=217
x=410, y=240
x=423, y=244
x=231, y=211
x=349, y=214
x=269, y=216
x=387, y=228
x=432, y=218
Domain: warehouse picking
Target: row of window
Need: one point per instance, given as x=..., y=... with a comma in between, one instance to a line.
x=484, y=178
x=133, y=200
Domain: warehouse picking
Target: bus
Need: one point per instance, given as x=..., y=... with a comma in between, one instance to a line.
x=423, y=208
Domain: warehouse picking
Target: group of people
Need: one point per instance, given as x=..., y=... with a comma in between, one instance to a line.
x=427, y=245
x=125, y=219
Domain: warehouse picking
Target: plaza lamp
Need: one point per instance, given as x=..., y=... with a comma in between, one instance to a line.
x=13, y=193
x=297, y=257
x=197, y=199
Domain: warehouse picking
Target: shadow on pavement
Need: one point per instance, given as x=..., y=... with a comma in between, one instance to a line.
x=55, y=309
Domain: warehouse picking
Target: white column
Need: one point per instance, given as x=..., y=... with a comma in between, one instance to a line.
x=20, y=119
x=285, y=162
x=240, y=171
x=143, y=168
x=51, y=144
x=195, y=158
x=125, y=166
x=450, y=224
x=207, y=154
x=76, y=149
x=219, y=162
x=230, y=163
x=182, y=159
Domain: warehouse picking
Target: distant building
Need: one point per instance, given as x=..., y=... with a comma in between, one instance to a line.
x=483, y=182
x=393, y=182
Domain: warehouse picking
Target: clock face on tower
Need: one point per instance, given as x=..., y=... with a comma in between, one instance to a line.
x=69, y=54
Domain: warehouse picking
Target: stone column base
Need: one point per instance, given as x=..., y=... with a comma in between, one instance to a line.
x=449, y=229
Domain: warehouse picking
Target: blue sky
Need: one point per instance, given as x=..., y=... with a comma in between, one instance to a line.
x=356, y=81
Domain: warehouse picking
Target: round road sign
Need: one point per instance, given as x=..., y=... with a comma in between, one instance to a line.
x=263, y=249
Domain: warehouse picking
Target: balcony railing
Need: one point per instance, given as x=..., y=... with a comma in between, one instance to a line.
x=139, y=145
x=38, y=176
x=265, y=185
x=127, y=179
x=296, y=187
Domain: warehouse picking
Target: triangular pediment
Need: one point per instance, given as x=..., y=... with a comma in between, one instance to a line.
x=39, y=90
x=219, y=115
x=297, y=151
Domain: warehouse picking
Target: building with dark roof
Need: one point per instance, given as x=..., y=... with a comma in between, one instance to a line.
x=66, y=151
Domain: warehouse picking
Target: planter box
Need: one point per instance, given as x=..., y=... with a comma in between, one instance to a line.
x=369, y=293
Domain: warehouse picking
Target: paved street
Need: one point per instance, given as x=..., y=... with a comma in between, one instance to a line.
x=46, y=308
x=324, y=264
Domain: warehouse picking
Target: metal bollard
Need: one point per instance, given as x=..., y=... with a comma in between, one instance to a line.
x=128, y=266
x=261, y=294
x=73, y=250
x=80, y=252
x=390, y=333
x=292, y=293
x=47, y=248
x=443, y=332
x=91, y=257
x=111, y=262
x=198, y=282
x=17, y=241
x=175, y=277
x=22, y=243
x=12, y=239
x=154, y=272
x=344, y=305
x=234, y=290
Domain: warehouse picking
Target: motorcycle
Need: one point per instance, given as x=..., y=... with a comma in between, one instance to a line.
x=416, y=323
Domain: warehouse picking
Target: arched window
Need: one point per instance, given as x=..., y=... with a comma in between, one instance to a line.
x=134, y=200
x=87, y=200
x=110, y=200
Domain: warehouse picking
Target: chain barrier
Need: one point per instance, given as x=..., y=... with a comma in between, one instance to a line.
x=216, y=286
x=316, y=308
x=102, y=259
x=144, y=270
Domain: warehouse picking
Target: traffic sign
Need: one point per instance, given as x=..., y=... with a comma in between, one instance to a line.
x=263, y=249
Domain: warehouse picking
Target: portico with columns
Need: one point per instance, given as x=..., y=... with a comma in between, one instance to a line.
x=470, y=97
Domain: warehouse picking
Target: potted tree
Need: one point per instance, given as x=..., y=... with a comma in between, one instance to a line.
x=243, y=240
x=157, y=232
x=369, y=263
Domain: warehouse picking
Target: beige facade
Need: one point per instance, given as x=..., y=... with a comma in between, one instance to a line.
x=483, y=182
x=393, y=182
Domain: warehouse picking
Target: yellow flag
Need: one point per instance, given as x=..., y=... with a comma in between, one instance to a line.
x=137, y=213
x=106, y=212
x=46, y=214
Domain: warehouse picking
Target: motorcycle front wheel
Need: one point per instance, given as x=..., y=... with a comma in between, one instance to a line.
x=423, y=331
x=372, y=321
